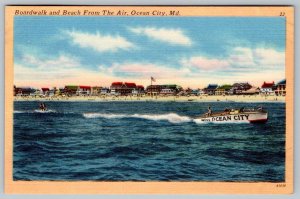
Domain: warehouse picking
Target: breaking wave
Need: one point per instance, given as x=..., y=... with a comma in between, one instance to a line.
x=171, y=117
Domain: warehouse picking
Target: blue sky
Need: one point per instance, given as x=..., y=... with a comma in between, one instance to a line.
x=189, y=51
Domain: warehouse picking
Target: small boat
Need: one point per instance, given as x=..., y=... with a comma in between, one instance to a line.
x=258, y=115
x=42, y=107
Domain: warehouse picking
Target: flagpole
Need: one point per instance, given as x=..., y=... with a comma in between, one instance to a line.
x=151, y=86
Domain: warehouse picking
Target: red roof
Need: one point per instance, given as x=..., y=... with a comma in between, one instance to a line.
x=140, y=86
x=129, y=84
x=267, y=85
x=85, y=87
x=45, y=89
x=117, y=83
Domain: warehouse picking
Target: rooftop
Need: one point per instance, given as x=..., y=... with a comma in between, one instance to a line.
x=267, y=85
x=85, y=87
x=282, y=82
x=212, y=86
x=130, y=84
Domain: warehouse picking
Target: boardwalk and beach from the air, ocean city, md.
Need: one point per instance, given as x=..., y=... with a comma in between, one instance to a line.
x=119, y=99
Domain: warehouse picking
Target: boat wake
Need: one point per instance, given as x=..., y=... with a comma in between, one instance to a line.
x=171, y=117
x=36, y=111
x=46, y=111
x=20, y=111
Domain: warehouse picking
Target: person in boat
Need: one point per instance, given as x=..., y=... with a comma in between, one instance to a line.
x=226, y=111
x=43, y=107
x=260, y=108
x=209, y=111
x=242, y=109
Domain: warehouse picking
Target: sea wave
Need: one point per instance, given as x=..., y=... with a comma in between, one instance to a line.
x=171, y=117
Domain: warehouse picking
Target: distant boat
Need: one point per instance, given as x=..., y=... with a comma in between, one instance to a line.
x=237, y=115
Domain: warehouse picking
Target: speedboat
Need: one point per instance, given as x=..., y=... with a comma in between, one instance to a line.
x=258, y=115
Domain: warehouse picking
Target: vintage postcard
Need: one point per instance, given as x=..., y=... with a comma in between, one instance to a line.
x=149, y=99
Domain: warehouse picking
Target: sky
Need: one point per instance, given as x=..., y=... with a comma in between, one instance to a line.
x=189, y=51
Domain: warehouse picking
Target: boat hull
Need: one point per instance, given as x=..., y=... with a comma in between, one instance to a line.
x=259, y=117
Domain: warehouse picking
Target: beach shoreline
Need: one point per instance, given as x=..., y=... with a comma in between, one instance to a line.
x=212, y=98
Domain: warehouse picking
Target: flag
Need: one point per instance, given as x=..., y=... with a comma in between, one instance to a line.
x=152, y=79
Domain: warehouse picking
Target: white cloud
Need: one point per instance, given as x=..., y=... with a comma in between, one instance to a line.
x=206, y=64
x=240, y=59
x=100, y=42
x=242, y=64
x=172, y=36
x=143, y=70
x=62, y=61
x=269, y=57
x=259, y=58
x=241, y=56
x=55, y=71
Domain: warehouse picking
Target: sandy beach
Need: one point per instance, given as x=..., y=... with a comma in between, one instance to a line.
x=212, y=98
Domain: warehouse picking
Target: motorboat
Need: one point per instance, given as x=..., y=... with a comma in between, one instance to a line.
x=258, y=115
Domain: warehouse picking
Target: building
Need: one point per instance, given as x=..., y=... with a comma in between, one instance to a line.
x=251, y=91
x=104, y=91
x=166, y=89
x=187, y=91
x=52, y=92
x=153, y=89
x=280, y=88
x=171, y=89
x=120, y=88
x=84, y=90
x=238, y=88
x=115, y=88
x=96, y=90
x=70, y=90
x=128, y=87
x=223, y=90
x=211, y=89
x=139, y=90
x=61, y=91
x=36, y=92
x=195, y=92
x=24, y=91
x=267, y=88
x=56, y=91
x=45, y=91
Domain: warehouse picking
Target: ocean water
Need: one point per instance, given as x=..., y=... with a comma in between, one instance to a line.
x=145, y=141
